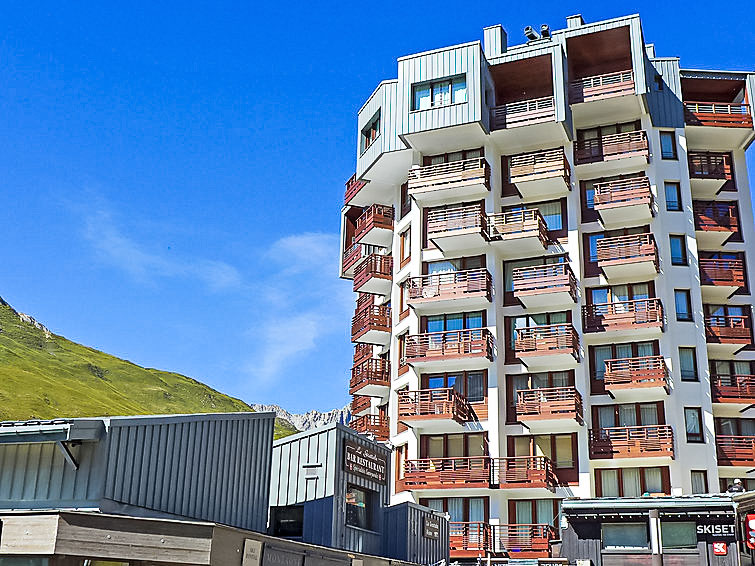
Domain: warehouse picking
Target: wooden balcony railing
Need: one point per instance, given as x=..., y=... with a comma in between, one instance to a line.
x=732, y=388
x=444, y=473
x=722, y=114
x=360, y=403
x=627, y=249
x=524, y=471
x=364, y=300
x=376, y=265
x=735, y=450
x=711, y=216
x=528, y=540
x=549, y=403
x=601, y=86
x=377, y=317
x=546, y=339
x=611, y=146
x=362, y=352
x=372, y=424
x=728, y=272
x=624, y=192
x=373, y=371
x=631, y=373
x=544, y=279
x=622, y=315
x=536, y=165
x=437, y=346
x=518, y=224
x=466, y=218
x=357, y=252
x=632, y=441
x=468, y=540
x=522, y=113
x=375, y=216
x=709, y=165
x=353, y=186
x=441, y=403
x=729, y=329
x=450, y=285
x=440, y=176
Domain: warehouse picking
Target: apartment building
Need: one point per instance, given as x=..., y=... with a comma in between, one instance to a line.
x=548, y=244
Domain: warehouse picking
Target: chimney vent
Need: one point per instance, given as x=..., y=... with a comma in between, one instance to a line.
x=494, y=41
x=574, y=21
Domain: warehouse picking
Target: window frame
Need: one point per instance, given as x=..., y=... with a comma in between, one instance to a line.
x=678, y=187
x=432, y=84
x=694, y=437
x=682, y=238
x=366, y=137
x=665, y=479
x=597, y=386
x=370, y=498
x=705, y=481
x=672, y=134
x=405, y=247
x=694, y=359
x=464, y=389
x=688, y=298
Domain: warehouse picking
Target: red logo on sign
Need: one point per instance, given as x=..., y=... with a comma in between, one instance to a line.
x=719, y=548
x=750, y=530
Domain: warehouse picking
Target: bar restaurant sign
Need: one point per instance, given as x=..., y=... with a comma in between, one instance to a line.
x=365, y=462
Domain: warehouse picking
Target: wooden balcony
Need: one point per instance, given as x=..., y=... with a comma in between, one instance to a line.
x=648, y=441
x=540, y=174
x=433, y=408
x=709, y=173
x=523, y=113
x=374, y=275
x=457, y=228
x=468, y=179
x=372, y=378
x=643, y=378
x=375, y=226
x=643, y=316
x=715, y=222
x=717, y=114
x=523, y=541
x=377, y=425
x=453, y=349
x=372, y=325
x=735, y=450
x=545, y=285
x=553, y=346
x=520, y=233
x=354, y=255
x=628, y=257
x=727, y=334
x=362, y=352
x=524, y=472
x=720, y=278
x=625, y=201
x=733, y=389
x=469, y=540
x=612, y=153
x=447, y=473
x=550, y=409
x=599, y=87
x=360, y=405
x=353, y=186
x=468, y=290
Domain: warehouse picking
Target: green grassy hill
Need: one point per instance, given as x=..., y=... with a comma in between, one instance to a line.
x=43, y=375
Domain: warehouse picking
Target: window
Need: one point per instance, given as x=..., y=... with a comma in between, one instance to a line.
x=533, y=511
x=678, y=250
x=439, y=93
x=403, y=299
x=358, y=507
x=288, y=521
x=403, y=367
x=453, y=445
x=405, y=244
x=688, y=364
x=553, y=212
x=699, y=479
x=599, y=354
x=508, y=273
x=693, y=418
x=735, y=426
x=542, y=380
x=668, y=145
x=627, y=415
x=370, y=132
x=589, y=214
x=625, y=535
x=406, y=202
x=683, y=305
x=460, y=509
x=679, y=534
x=673, y=196
x=631, y=482
x=558, y=447
x=455, y=321
x=470, y=384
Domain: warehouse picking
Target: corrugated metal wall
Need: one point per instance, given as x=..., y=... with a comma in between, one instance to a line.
x=403, y=535
x=385, y=100
x=665, y=104
x=209, y=467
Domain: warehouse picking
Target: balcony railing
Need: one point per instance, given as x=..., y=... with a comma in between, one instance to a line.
x=444, y=473
x=624, y=192
x=735, y=450
x=372, y=424
x=707, y=165
x=627, y=249
x=375, y=216
x=546, y=339
x=601, y=86
x=539, y=165
x=356, y=252
x=632, y=442
x=442, y=175
x=722, y=114
x=376, y=317
x=468, y=540
x=549, y=403
x=732, y=388
x=524, y=471
x=727, y=272
x=544, y=279
x=728, y=329
x=711, y=216
x=611, y=146
x=373, y=371
x=631, y=373
x=450, y=285
x=360, y=403
x=532, y=540
x=376, y=265
x=460, y=218
x=438, y=346
x=362, y=352
x=522, y=113
x=518, y=224
x=622, y=315
x=353, y=186
x=441, y=403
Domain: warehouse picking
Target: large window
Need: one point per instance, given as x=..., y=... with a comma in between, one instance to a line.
x=728, y=426
x=452, y=90
x=599, y=354
x=405, y=246
x=683, y=304
x=693, y=422
x=359, y=507
x=510, y=266
x=589, y=214
x=678, y=249
x=460, y=509
x=553, y=212
x=453, y=445
x=620, y=294
x=668, y=145
x=533, y=511
x=454, y=321
x=542, y=380
x=559, y=448
x=673, y=193
x=688, y=363
x=471, y=384
x=628, y=414
x=679, y=534
x=370, y=132
x=699, y=479
x=633, y=536
x=631, y=482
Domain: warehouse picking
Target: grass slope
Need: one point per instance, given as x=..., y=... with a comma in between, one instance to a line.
x=45, y=376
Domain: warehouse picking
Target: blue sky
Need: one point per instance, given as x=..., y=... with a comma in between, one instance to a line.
x=172, y=175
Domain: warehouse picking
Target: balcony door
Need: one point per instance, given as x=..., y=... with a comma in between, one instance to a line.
x=453, y=445
x=599, y=355
x=735, y=427
x=628, y=414
x=533, y=511
x=542, y=380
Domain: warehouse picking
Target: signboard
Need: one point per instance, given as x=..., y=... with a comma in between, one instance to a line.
x=716, y=530
x=252, y=552
x=719, y=548
x=365, y=462
x=280, y=557
x=750, y=531
x=431, y=527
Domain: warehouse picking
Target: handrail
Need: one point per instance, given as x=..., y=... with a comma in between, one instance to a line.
x=357, y=251
x=374, y=424
x=524, y=470
x=715, y=216
x=449, y=285
x=721, y=114
x=375, y=265
x=605, y=85
x=518, y=224
x=639, y=247
x=371, y=371
x=623, y=191
x=538, y=164
x=376, y=316
x=445, y=401
x=599, y=316
x=641, y=371
x=441, y=173
x=631, y=441
x=546, y=338
x=360, y=403
x=469, y=537
x=728, y=321
x=709, y=165
x=522, y=537
x=722, y=271
x=353, y=186
x=377, y=215
x=716, y=107
x=549, y=402
x=457, y=218
x=451, y=343
x=733, y=387
x=610, y=146
x=544, y=279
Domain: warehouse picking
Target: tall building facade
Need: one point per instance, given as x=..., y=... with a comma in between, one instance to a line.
x=549, y=246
